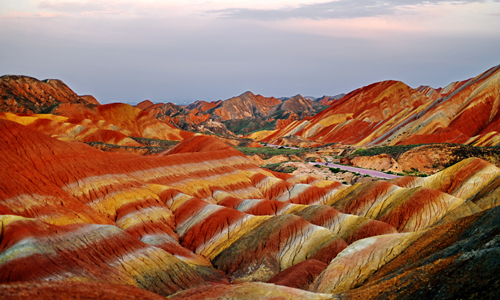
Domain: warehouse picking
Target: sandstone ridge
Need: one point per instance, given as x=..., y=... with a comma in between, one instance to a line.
x=204, y=221
x=392, y=113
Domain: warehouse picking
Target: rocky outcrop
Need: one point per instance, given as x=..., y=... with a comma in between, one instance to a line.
x=139, y=123
x=353, y=118
x=214, y=127
x=427, y=159
x=465, y=179
x=203, y=106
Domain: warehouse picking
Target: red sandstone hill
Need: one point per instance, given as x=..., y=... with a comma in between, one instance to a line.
x=203, y=106
x=353, y=118
x=248, y=105
x=54, y=109
x=110, y=123
x=199, y=144
x=201, y=221
x=391, y=113
x=139, y=123
x=23, y=94
x=236, y=115
x=384, y=113
x=249, y=112
x=182, y=118
x=329, y=100
x=204, y=222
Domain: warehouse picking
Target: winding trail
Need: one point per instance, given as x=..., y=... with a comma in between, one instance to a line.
x=361, y=171
x=358, y=170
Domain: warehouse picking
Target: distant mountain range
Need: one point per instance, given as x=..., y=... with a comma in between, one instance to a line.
x=238, y=115
x=383, y=113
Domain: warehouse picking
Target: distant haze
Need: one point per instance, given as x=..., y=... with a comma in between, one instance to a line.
x=182, y=51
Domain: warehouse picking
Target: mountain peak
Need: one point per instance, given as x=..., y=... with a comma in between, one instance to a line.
x=248, y=94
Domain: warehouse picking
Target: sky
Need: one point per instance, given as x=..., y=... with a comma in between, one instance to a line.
x=183, y=51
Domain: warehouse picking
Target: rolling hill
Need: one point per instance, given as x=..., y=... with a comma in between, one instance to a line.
x=392, y=113
x=201, y=220
x=204, y=221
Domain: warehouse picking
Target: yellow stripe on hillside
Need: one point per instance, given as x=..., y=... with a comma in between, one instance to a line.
x=233, y=235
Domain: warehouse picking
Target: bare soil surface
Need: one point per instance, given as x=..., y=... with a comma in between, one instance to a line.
x=324, y=173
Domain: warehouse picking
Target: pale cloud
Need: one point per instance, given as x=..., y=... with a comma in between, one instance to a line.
x=66, y=6
x=340, y=9
x=111, y=7
x=11, y=7
x=263, y=10
x=90, y=8
x=472, y=19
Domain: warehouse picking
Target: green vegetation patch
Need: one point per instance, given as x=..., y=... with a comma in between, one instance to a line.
x=269, y=151
x=393, y=151
x=280, y=114
x=335, y=170
x=49, y=109
x=146, y=150
x=459, y=150
x=413, y=172
x=247, y=126
x=154, y=142
x=280, y=167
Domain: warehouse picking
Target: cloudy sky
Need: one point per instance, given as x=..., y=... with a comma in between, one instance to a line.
x=181, y=51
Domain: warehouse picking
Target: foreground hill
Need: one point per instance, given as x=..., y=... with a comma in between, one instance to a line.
x=202, y=221
x=391, y=113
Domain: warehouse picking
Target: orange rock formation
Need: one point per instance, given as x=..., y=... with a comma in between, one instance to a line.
x=202, y=221
x=392, y=113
